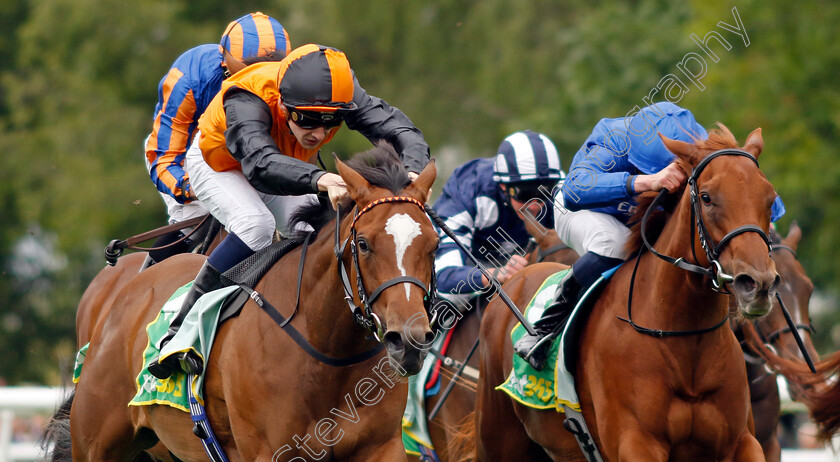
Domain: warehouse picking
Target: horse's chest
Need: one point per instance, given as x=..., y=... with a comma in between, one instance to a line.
x=704, y=419
x=334, y=427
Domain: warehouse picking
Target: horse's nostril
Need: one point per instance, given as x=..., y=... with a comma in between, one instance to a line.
x=745, y=283
x=394, y=342
x=430, y=337
x=776, y=282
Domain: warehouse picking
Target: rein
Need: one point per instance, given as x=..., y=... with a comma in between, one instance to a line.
x=542, y=253
x=115, y=248
x=364, y=315
x=714, y=271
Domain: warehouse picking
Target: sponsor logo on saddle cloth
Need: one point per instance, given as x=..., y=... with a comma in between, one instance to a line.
x=554, y=386
x=197, y=333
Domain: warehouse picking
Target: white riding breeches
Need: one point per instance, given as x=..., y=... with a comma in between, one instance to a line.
x=250, y=214
x=588, y=231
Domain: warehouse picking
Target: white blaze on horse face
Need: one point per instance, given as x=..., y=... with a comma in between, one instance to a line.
x=404, y=229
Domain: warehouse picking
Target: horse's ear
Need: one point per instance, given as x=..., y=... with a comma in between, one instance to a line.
x=357, y=187
x=755, y=143
x=681, y=149
x=794, y=235
x=422, y=185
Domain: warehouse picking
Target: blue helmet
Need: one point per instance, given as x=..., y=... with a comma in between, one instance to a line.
x=527, y=156
x=644, y=147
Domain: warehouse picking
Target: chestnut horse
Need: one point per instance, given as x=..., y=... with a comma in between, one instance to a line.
x=773, y=330
x=266, y=398
x=460, y=402
x=680, y=392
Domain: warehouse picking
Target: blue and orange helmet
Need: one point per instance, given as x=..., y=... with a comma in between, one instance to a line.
x=317, y=86
x=254, y=35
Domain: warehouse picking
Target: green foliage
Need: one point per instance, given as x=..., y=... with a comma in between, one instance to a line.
x=80, y=81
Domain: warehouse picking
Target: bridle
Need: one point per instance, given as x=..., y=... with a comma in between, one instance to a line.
x=364, y=315
x=714, y=271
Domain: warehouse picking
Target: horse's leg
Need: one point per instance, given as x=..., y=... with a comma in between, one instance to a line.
x=499, y=433
x=772, y=449
x=97, y=435
x=635, y=445
x=391, y=450
x=461, y=401
x=748, y=449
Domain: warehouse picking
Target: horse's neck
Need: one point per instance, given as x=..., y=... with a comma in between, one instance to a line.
x=330, y=326
x=678, y=299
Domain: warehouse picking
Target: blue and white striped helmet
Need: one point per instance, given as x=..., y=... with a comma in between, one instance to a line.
x=527, y=156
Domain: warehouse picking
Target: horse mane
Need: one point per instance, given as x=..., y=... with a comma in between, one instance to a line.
x=719, y=138
x=380, y=166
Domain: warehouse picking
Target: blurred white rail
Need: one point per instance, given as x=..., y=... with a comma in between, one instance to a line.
x=17, y=401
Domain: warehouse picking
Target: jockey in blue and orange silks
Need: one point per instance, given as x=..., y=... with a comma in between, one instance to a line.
x=184, y=94
x=482, y=204
x=621, y=158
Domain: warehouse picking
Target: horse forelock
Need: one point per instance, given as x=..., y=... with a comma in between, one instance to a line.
x=380, y=166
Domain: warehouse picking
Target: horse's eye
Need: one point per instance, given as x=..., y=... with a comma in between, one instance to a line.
x=705, y=198
x=362, y=244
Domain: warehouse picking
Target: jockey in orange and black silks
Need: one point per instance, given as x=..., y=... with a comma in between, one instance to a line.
x=252, y=163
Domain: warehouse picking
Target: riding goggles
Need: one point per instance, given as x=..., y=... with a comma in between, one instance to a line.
x=313, y=119
x=524, y=192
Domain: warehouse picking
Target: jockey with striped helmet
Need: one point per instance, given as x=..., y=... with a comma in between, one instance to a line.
x=183, y=95
x=252, y=163
x=483, y=202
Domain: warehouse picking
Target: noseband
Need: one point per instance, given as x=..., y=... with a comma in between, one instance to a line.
x=364, y=315
x=715, y=271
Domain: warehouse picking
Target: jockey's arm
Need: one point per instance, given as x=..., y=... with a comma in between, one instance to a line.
x=248, y=138
x=377, y=120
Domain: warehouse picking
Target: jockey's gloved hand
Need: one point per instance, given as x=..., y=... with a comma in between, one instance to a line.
x=334, y=186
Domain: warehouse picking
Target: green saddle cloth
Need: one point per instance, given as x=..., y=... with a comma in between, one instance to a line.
x=196, y=333
x=553, y=387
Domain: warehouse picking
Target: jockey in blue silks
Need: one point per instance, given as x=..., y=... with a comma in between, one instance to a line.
x=621, y=158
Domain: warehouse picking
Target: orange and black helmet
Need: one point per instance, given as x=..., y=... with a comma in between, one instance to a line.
x=317, y=83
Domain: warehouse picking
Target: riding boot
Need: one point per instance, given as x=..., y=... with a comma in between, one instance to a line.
x=532, y=347
x=207, y=280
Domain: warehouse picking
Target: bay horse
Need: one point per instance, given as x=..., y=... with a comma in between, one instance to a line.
x=460, y=402
x=680, y=393
x=772, y=330
x=266, y=398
